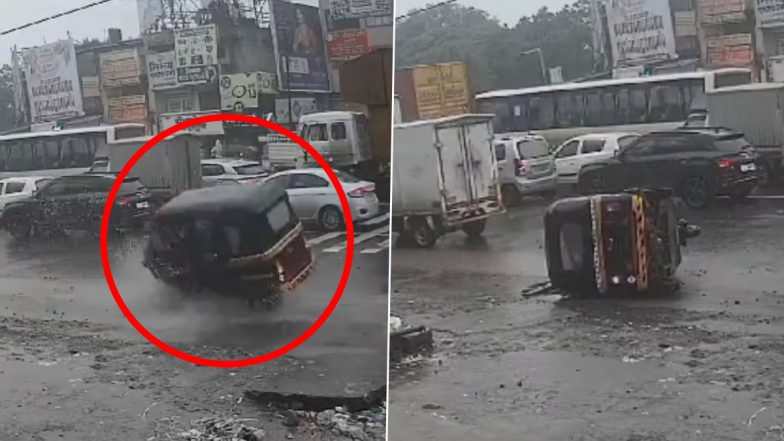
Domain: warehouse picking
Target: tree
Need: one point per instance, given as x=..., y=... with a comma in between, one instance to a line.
x=493, y=51
x=7, y=112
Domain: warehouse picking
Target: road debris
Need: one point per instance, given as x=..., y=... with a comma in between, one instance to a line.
x=212, y=428
x=409, y=341
x=316, y=403
x=367, y=425
x=755, y=415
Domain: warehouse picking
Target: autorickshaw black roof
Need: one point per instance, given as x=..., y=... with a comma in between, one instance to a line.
x=222, y=201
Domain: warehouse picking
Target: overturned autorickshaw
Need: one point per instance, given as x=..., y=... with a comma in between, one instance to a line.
x=615, y=243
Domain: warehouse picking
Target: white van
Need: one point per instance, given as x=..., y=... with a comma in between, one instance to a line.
x=525, y=166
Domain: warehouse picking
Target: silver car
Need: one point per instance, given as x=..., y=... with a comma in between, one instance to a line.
x=315, y=199
x=232, y=171
x=525, y=166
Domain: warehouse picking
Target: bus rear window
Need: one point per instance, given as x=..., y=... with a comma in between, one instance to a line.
x=732, y=79
x=129, y=132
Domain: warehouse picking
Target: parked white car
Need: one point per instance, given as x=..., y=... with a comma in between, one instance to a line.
x=525, y=166
x=577, y=152
x=15, y=189
x=232, y=171
x=315, y=199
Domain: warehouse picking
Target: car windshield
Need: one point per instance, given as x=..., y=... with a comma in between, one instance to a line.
x=250, y=169
x=532, y=149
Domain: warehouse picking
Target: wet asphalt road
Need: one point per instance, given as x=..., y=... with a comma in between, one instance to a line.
x=64, y=340
x=703, y=363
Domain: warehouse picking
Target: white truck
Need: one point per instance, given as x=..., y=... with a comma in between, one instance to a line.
x=756, y=110
x=445, y=178
x=169, y=168
x=341, y=138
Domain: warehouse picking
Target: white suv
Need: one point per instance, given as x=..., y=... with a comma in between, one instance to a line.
x=525, y=166
x=577, y=152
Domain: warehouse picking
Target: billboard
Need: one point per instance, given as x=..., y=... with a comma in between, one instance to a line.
x=343, y=9
x=640, y=31
x=120, y=68
x=241, y=91
x=299, y=107
x=168, y=120
x=770, y=13
x=722, y=11
x=196, y=55
x=132, y=108
x=53, y=87
x=161, y=72
x=347, y=44
x=299, y=47
x=734, y=50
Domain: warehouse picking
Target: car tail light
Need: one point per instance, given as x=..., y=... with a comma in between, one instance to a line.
x=361, y=191
x=521, y=167
x=725, y=164
x=125, y=202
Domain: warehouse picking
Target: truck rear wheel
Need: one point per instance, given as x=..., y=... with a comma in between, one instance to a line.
x=421, y=234
x=475, y=229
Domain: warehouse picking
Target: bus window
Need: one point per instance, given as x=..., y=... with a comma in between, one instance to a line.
x=75, y=153
x=656, y=105
x=547, y=112
x=52, y=153
x=639, y=104
x=563, y=110
x=675, y=104
x=623, y=105
x=609, y=115
x=593, y=108
x=19, y=156
x=4, y=157
x=38, y=154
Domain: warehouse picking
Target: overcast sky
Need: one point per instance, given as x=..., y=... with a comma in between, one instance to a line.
x=507, y=11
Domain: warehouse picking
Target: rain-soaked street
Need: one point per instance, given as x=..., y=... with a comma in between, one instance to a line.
x=703, y=363
x=67, y=355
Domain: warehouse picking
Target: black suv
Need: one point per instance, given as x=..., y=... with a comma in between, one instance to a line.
x=698, y=164
x=77, y=202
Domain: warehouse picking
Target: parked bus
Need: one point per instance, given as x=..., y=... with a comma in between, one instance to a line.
x=60, y=152
x=644, y=104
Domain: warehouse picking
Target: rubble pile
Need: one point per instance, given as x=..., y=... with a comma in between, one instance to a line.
x=367, y=425
x=213, y=428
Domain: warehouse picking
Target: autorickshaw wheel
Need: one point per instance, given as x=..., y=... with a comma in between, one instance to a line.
x=696, y=192
x=510, y=196
x=330, y=218
x=421, y=233
x=475, y=229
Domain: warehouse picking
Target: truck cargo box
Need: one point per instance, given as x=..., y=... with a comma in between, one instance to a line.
x=446, y=167
x=168, y=169
x=757, y=110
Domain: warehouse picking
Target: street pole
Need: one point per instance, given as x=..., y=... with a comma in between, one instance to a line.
x=288, y=86
x=540, y=53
